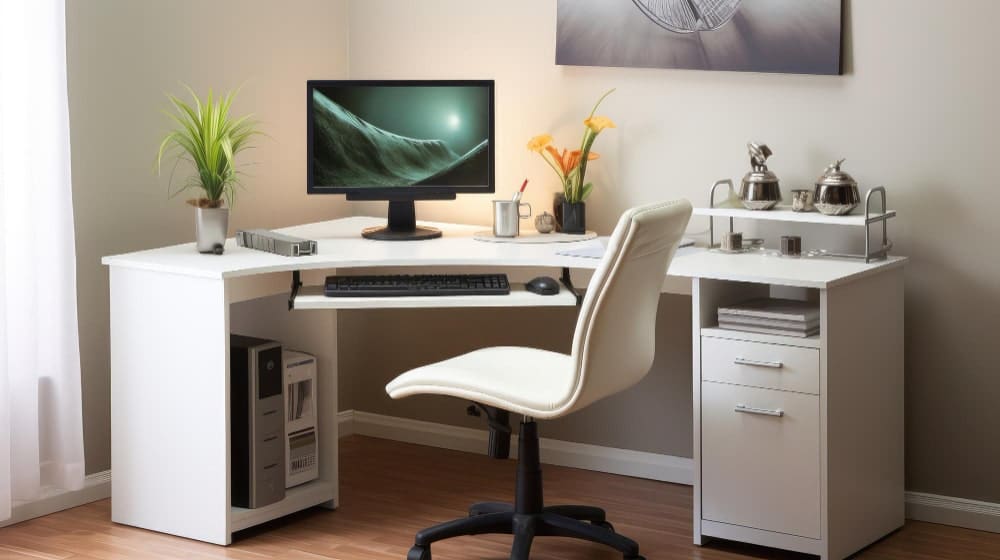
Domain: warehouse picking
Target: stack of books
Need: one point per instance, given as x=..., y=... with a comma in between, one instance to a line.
x=772, y=316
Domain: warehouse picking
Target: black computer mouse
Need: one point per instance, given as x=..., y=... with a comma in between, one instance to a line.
x=543, y=285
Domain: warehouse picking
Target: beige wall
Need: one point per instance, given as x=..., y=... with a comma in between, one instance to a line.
x=123, y=55
x=917, y=111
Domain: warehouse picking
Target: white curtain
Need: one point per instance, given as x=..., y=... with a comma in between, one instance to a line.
x=41, y=432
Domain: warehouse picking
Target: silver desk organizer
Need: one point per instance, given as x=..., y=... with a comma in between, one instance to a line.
x=871, y=253
x=277, y=243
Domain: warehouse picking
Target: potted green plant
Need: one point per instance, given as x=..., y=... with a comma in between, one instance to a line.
x=571, y=167
x=210, y=139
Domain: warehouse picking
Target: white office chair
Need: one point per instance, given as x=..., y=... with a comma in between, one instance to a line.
x=612, y=350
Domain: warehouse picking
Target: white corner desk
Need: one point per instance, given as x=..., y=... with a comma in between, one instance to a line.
x=825, y=478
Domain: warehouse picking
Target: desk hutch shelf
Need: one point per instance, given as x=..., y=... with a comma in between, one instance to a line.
x=786, y=214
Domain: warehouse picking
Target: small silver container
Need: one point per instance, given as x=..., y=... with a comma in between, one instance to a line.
x=802, y=200
x=791, y=245
x=759, y=189
x=545, y=223
x=732, y=241
x=836, y=192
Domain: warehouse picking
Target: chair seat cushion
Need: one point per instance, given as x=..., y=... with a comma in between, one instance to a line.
x=521, y=380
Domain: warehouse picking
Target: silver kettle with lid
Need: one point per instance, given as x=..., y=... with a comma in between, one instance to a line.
x=759, y=189
x=836, y=191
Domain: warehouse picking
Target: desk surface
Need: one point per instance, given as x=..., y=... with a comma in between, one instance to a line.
x=341, y=246
x=806, y=272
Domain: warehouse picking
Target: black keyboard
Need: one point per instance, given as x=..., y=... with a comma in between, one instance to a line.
x=417, y=285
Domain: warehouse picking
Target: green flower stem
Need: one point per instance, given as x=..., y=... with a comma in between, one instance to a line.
x=598, y=104
x=589, y=135
x=588, y=142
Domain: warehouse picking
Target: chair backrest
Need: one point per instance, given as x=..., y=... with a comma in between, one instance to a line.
x=615, y=333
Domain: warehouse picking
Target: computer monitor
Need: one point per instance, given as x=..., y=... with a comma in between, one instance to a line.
x=400, y=141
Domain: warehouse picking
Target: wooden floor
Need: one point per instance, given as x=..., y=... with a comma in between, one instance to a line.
x=391, y=489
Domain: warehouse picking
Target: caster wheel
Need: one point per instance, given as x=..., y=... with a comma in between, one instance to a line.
x=608, y=526
x=422, y=553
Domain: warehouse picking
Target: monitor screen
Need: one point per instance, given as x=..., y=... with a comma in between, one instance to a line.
x=379, y=138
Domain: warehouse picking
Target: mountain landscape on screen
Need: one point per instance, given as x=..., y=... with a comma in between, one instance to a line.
x=350, y=151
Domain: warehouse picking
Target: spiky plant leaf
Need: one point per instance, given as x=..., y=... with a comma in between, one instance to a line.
x=206, y=135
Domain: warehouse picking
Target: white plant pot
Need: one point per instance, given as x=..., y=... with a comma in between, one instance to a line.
x=211, y=227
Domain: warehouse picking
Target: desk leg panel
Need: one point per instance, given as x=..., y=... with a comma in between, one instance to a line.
x=170, y=403
x=863, y=384
x=698, y=317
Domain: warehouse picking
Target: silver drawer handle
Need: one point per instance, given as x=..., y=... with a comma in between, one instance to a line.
x=765, y=411
x=758, y=363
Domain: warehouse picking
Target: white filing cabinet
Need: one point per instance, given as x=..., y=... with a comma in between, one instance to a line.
x=799, y=441
x=760, y=444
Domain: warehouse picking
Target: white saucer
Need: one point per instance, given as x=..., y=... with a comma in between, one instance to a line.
x=535, y=237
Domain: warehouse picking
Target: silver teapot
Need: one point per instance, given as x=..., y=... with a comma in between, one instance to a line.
x=759, y=189
x=836, y=191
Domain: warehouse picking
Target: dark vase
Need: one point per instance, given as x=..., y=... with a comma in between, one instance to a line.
x=574, y=215
x=557, y=203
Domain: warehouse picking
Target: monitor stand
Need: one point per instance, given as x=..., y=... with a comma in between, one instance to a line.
x=402, y=225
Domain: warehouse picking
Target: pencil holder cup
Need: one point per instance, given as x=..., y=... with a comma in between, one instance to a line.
x=507, y=217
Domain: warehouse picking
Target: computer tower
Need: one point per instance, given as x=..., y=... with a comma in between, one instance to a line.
x=301, y=429
x=257, y=421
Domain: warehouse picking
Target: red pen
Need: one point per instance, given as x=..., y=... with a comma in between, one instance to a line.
x=517, y=195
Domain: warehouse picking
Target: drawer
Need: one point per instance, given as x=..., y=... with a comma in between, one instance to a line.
x=757, y=469
x=772, y=366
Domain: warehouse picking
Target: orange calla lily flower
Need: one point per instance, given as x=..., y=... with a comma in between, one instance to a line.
x=571, y=166
x=599, y=123
x=568, y=160
x=560, y=159
x=574, y=159
x=539, y=142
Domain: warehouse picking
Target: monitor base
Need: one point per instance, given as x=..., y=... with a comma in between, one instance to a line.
x=385, y=233
x=402, y=225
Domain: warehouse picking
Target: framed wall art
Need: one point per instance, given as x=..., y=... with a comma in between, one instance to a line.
x=788, y=36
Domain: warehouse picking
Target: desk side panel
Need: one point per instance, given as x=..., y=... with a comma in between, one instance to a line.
x=863, y=332
x=169, y=404
x=699, y=316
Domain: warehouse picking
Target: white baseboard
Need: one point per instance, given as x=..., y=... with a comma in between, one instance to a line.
x=946, y=510
x=970, y=514
x=639, y=464
x=96, y=487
